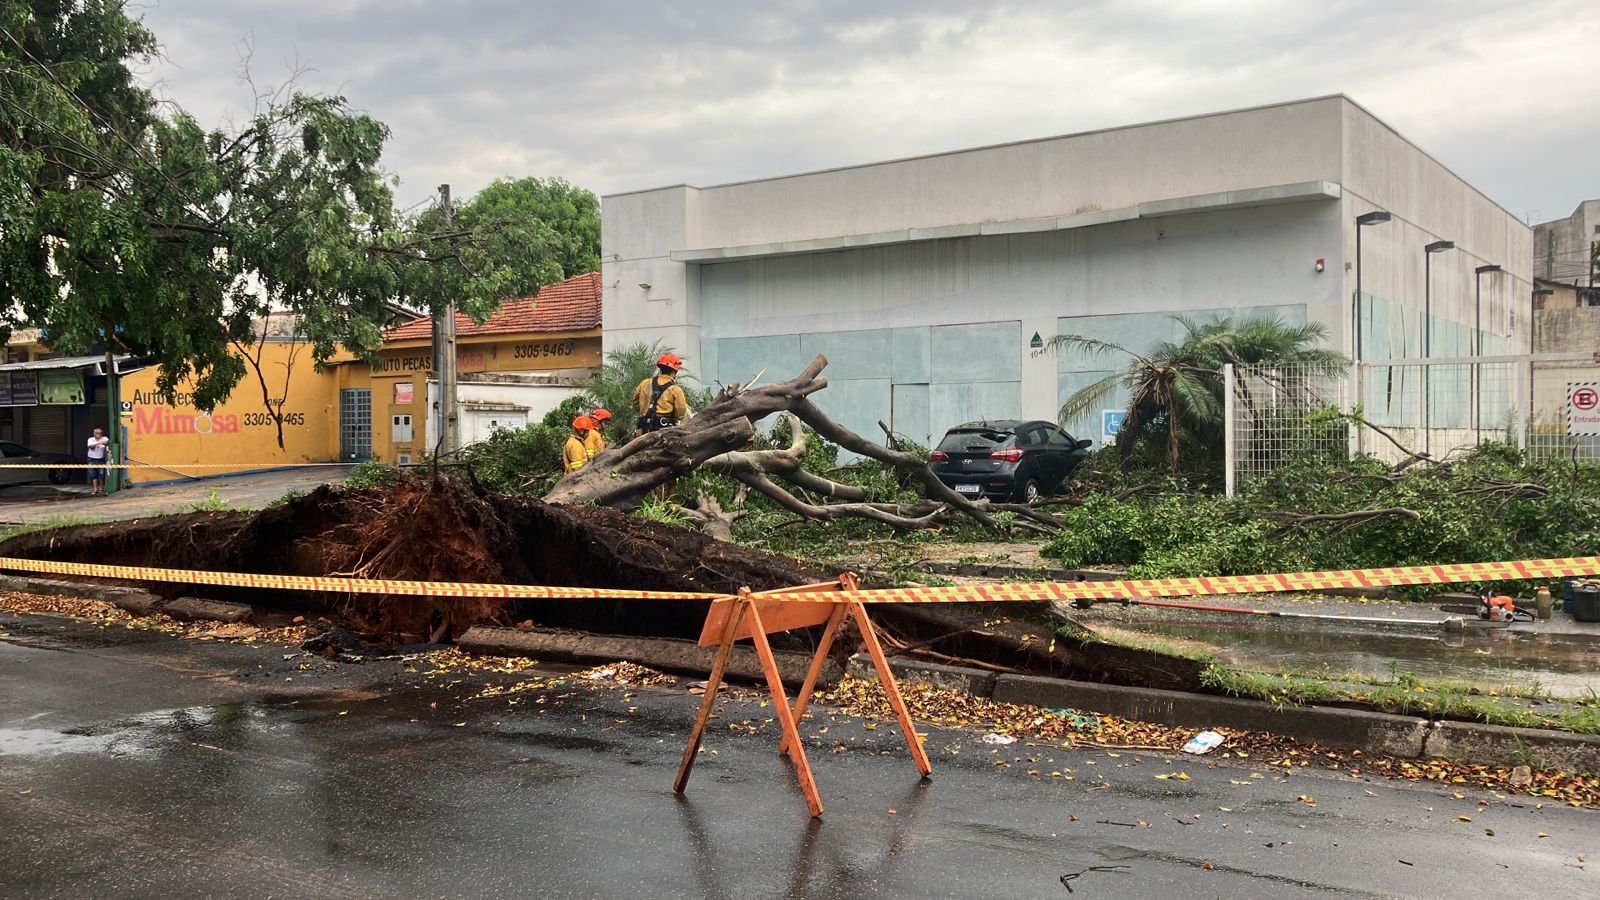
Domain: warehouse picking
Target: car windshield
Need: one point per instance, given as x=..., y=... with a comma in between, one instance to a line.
x=975, y=440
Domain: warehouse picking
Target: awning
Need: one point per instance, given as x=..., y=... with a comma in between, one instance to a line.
x=93, y=365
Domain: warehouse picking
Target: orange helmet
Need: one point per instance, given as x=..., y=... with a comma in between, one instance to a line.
x=670, y=360
x=600, y=415
x=583, y=423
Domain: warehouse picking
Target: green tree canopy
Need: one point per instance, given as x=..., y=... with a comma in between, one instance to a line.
x=124, y=217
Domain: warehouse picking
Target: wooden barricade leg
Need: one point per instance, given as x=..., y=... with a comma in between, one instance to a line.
x=890, y=688
x=815, y=672
x=797, y=751
x=718, y=667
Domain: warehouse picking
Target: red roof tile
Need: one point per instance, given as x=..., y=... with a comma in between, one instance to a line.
x=571, y=305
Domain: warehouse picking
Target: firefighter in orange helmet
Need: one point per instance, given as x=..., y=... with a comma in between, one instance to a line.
x=659, y=400
x=596, y=441
x=576, y=454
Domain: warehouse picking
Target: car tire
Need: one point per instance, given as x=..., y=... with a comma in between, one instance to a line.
x=60, y=476
x=1028, y=491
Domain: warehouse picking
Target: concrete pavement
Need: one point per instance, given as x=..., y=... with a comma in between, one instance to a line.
x=33, y=504
x=136, y=765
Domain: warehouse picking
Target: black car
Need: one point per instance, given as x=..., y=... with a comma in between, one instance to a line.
x=13, y=458
x=1007, y=459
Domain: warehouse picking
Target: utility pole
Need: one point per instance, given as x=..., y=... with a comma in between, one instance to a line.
x=114, y=477
x=444, y=353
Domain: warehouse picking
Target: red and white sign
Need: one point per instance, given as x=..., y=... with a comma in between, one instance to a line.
x=1583, y=407
x=403, y=392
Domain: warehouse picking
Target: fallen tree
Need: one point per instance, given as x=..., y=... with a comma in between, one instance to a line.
x=722, y=438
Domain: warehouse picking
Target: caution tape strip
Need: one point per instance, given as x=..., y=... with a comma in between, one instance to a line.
x=977, y=593
x=1231, y=584
x=173, y=466
x=340, y=584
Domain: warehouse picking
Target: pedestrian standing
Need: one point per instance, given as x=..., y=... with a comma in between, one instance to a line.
x=98, y=442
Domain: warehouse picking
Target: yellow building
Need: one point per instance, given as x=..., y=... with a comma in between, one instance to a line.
x=513, y=368
x=242, y=431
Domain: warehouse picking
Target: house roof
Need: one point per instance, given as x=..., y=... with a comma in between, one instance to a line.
x=571, y=305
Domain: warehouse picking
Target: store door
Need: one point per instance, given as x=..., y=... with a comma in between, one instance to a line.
x=355, y=424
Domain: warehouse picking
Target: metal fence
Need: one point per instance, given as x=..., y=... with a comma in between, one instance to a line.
x=1406, y=407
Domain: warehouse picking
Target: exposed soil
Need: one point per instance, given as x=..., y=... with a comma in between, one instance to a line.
x=438, y=530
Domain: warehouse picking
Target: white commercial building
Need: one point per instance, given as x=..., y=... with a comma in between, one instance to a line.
x=930, y=282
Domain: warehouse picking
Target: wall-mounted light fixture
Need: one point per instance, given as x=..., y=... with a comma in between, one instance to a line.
x=644, y=285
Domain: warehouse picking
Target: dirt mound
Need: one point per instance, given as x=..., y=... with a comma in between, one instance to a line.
x=442, y=530
x=436, y=530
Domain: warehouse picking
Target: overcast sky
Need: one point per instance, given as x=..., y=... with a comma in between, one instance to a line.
x=618, y=96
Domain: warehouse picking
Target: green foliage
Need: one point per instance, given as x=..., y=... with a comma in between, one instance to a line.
x=1175, y=414
x=1489, y=505
x=373, y=474
x=286, y=499
x=53, y=522
x=561, y=417
x=521, y=461
x=126, y=218
x=212, y=503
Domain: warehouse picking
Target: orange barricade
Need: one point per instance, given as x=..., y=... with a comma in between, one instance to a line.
x=755, y=616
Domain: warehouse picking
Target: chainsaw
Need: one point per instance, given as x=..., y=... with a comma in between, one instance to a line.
x=1500, y=608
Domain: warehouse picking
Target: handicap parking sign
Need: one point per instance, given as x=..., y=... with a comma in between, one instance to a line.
x=1110, y=424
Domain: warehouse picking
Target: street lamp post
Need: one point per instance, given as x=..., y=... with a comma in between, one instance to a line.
x=1376, y=217
x=1477, y=339
x=1427, y=337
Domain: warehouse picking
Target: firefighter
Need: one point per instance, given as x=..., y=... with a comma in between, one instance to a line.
x=597, y=437
x=659, y=399
x=576, y=453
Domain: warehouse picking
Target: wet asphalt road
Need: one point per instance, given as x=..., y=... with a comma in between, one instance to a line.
x=136, y=765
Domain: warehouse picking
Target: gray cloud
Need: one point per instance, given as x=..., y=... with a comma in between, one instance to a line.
x=617, y=96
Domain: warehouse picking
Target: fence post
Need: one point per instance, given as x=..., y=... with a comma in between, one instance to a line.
x=1229, y=438
x=1358, y=388
x=1523, y=391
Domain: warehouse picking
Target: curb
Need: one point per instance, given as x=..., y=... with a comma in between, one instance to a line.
x=133, y=600
x=1406, y=737
x=678, y=657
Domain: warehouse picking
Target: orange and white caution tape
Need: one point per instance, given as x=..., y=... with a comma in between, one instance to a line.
x=978, y=593
x=340, y=584
x=1229, y=584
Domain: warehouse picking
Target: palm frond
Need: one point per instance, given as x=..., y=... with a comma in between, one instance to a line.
x=1086, y=345
x=1088, y=397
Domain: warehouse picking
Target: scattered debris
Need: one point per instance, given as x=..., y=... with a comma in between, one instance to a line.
x=992, y=738
x=1067, y=879
x=1065, y=728
x=1203, y=743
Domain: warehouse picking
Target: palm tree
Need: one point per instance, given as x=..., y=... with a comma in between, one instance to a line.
x=1176, y=394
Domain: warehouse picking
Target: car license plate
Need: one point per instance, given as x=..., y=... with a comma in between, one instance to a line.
x=968, y=489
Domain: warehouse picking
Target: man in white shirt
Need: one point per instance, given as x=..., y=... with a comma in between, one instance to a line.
x=97, y=458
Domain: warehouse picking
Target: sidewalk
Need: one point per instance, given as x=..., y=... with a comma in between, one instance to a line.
x=34, y=504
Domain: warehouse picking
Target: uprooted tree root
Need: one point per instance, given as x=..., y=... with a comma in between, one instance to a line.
x=439, y=529
x=427, y=532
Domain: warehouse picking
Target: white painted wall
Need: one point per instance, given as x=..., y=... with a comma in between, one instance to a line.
x=1230, y=259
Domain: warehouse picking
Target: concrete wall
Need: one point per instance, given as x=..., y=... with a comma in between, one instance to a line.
x=1561, y=248
x=1101, y=170
x=957, y=316
x=1428, y=202
x=1106, y=233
